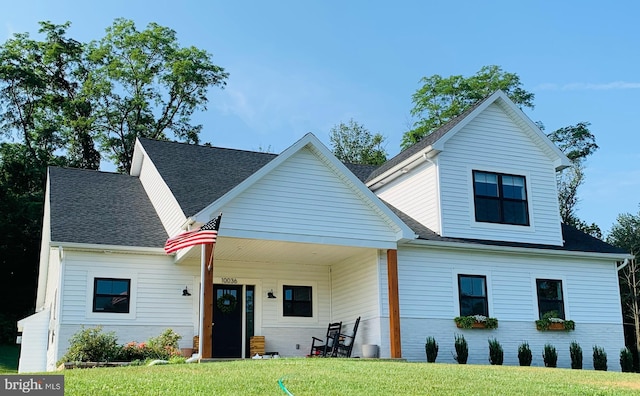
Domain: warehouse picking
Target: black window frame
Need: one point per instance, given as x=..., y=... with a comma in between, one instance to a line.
x=501, y=200
x=544, y=303
x=462, y=298
x=114, y=296
x=293, y=307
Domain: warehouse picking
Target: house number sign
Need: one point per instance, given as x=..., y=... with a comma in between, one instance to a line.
x=230, y=281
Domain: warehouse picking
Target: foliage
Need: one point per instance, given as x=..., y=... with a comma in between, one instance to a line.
x=599, y=358
x=439, y=100
x=431, y=348
x=356, y=377
x=462, y=349
x=496, y=354
x=552, y=317
x=91, y=345
x=626, y=360
x=625, y=234
x=550, y=355
x=9, y=355
x=144, y=84
x=575, y=350
x=352, y=143
x=164, y=346
x=524, y=354
x=466, y=322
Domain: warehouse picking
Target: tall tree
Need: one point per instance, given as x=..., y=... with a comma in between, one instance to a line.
x=626, y=234
x=146, y=84
x=352, y=143
x=441, y=99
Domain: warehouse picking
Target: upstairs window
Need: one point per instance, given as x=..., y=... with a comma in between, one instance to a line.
x=473, y=295
x=550, y=297
x=297, y=301
x=111, y=295
x=500, y=198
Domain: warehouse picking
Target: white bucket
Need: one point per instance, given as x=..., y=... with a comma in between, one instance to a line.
x=370, y=351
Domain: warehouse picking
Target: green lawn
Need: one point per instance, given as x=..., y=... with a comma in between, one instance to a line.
x=345, y=377
x=9, y=358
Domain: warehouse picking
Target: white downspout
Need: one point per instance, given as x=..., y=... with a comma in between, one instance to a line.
x=624, y=264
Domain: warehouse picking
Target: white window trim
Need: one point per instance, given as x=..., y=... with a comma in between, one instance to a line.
x=456, y=290
x=499, y=226
x=92, y=275
x=314, y=302
x=565, y=297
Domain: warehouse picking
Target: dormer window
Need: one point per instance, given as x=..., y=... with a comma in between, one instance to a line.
x=500, y=198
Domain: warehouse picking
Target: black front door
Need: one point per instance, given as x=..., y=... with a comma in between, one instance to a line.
x=227, y=321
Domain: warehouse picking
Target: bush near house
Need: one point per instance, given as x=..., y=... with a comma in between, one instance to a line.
x=524, y=354
x=92, y=345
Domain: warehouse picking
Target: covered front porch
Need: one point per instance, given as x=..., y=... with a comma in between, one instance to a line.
x=288, y=292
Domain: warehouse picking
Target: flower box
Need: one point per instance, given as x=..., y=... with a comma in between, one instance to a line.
x=476, y=322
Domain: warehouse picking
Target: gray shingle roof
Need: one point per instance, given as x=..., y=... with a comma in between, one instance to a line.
x=199, y=175
x=102, y=208
x=574, y=240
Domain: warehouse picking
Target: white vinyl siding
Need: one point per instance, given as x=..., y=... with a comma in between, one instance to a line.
x=303, y=200
x=493, y=142
x=33, y=353
x=161, y=197
x=416, y=194
x=427, y=284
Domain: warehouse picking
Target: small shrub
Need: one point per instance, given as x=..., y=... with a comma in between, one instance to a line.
x=599, y=358
x=496, y=354
x=163, y=346
x=91, y=345
x=626, y=360
x=550, y=356
x=575, y=350
x=431, y=348
x=462, y=349
x=524, y=354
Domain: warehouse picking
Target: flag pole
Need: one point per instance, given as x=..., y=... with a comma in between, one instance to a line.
x=207, y=318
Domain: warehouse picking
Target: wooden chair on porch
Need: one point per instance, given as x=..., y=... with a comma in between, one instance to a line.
x=343, y=345
x=323, y=348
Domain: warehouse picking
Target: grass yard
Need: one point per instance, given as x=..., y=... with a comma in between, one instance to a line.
x=9, y=358
x=345, y=377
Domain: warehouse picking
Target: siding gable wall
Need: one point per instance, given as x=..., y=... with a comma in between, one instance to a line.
x=304, y=200
x=493, y=142
x=416, y=194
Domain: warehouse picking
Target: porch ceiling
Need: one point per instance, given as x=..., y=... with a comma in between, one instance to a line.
x=238, y=249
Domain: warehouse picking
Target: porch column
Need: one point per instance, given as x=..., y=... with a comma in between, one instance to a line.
x=394, y=304
x=206, y=338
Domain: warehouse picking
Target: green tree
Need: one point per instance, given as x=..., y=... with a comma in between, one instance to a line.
x=146, y=84
x=625, y=234
x=440, y=99
x=352, y=143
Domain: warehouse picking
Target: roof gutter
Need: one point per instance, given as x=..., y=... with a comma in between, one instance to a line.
x=403, y=167
x=515, y=249
x=108, y=248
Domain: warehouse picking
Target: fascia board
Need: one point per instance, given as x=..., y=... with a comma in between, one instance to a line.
x=514, y=249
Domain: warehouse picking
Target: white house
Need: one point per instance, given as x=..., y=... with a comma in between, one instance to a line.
x=464, y=222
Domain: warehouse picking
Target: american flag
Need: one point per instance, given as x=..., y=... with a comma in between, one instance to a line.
x=205, y=234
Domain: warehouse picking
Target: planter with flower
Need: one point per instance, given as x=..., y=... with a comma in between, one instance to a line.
x=475, y=322
x=551, y=321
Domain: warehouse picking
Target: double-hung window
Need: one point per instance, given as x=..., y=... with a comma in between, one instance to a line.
x=473, y=295
x=550, y=297
x=297, y=301
x=500, y=198
x=111, y=295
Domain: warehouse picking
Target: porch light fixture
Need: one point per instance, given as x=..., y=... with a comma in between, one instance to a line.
x=270, y=294
x=185, y=291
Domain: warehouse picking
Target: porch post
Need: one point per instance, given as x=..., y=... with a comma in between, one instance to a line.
x=206, y=338
x=394, y=304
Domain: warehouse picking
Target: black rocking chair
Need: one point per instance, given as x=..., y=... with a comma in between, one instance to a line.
x=324, y=348
x=344, y=342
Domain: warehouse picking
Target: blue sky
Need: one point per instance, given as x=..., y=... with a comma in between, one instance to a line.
x=304, y=66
